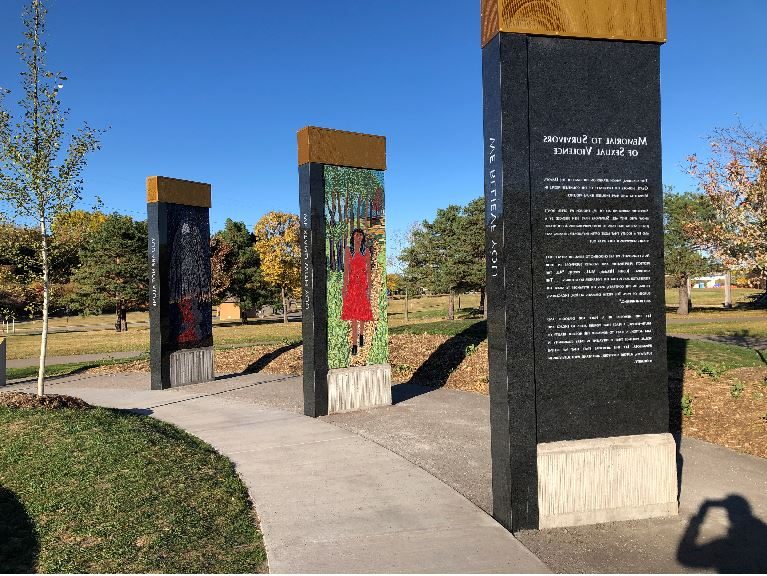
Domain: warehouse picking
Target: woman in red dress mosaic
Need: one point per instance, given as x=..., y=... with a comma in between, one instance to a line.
x=356, y=288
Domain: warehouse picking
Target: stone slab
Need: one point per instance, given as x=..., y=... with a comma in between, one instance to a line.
x=606, y=480
x=359, y=387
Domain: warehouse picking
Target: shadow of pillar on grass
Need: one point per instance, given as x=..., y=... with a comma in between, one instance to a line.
x=742, y=550
x=19, y=546
x=677, y=357
x=438, y=367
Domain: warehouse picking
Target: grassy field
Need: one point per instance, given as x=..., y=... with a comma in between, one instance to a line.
x=94, y=491
x=711, y=297
x=426, y=309
x=60, y=369
x=66, y=344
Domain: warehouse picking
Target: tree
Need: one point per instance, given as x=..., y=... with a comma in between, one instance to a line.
x=221, y=272
x=734, y=181
x=447, y=255
x=114, y=271
x=277, y=244
x=682, y=257
x=37, y=180
x=247, y=282
x=70, y=231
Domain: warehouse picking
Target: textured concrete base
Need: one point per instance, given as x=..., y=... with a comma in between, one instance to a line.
x=2, y=361
x=191, y=366
x=359, y=387
x=606, y=479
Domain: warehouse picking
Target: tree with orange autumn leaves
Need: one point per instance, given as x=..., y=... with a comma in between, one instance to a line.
x=277, y=244
x=733, y=180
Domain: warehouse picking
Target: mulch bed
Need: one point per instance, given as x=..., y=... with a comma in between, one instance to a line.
x=730, y=411
x=53, y=401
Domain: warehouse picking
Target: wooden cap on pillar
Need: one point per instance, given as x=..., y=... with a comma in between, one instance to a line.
x=175, y=191
x=637, y=20
x=340, y=148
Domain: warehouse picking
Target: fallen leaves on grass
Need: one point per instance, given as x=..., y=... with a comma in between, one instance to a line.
x=53, y=401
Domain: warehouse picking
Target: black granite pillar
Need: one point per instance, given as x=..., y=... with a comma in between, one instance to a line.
x=574, y=222
x=180, y=307
x=311, y=187
x=343, y=270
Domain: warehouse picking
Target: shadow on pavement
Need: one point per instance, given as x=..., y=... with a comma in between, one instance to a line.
x=435, y=371
x=742, y=550
x=19, y=547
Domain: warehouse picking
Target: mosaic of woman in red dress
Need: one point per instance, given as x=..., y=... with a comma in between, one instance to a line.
x=356, y=288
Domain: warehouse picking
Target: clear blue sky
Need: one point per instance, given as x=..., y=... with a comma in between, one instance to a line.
x=215, y=91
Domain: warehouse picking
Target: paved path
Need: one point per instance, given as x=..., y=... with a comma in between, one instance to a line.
x=328, y=499
x=723, y=494
x=52, y=360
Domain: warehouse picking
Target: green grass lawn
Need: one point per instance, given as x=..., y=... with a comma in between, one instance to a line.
x=61, y=369
x=73, y=343
x=109, y=491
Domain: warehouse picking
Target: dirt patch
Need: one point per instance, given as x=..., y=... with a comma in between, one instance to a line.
x=730, y=411
x=53, y=401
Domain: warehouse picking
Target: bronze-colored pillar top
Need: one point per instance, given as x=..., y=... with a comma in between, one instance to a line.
x=175, y=191
x=638, y=20
x=341, y=148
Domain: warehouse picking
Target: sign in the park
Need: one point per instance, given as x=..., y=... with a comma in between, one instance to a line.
x=575, y=262
x=180, y=308
x=343, y=247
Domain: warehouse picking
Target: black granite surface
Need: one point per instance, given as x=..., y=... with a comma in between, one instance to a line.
x=550, y=383
x=180, y=304
x=311, y=185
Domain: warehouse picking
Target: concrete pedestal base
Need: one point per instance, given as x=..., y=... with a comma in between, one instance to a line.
x=2, y=361
x=359, y=387
x=191, y=366
x=606, y=479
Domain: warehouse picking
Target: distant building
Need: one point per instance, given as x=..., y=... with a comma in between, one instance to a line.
x=229, y=309
x=713, y=281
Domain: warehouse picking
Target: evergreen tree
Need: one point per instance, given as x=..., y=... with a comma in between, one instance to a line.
x=114, y=271
x=682, y=258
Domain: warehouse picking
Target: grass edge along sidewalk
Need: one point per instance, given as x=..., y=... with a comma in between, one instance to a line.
x=95, y=490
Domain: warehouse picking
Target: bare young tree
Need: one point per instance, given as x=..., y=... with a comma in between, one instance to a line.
x=41, y=163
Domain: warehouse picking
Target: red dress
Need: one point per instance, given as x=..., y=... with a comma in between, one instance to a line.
x=356, y=304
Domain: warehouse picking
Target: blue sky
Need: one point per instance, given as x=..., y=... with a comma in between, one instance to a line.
x=215, y=91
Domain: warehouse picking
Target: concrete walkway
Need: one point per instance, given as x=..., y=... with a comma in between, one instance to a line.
x=328, y=499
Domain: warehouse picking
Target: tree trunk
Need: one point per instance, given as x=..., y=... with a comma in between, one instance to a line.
x=406, y=305
x=684, y=298
x=728, y=289
x=284, y=306
x=46, y=298
x=689, y=294
x=482, y=305
x=118, y=319
x=451, y=305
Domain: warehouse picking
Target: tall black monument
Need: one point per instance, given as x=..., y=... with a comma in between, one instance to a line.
x=180, y=308
x=576, y=321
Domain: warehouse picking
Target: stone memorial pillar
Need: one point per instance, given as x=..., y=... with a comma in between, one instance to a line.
x=180, y=310
x=343, y=270
x=3, y=352
x=574, y=219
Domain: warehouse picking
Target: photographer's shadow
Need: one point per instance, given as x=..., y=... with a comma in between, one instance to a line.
x=742, y=550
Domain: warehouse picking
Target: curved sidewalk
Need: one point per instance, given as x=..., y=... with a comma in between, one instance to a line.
x=328, y=500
